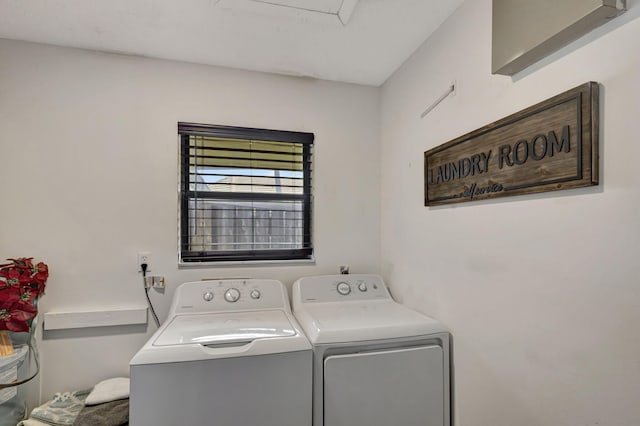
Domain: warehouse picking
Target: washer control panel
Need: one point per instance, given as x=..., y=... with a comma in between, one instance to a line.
x=229, y=295
x=333, y=288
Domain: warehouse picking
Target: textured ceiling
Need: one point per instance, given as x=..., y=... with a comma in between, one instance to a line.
x=353, y=41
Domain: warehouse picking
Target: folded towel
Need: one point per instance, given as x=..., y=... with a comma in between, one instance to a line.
x=62, y=409
x=33, y=422
x=109, y=390
x=114, y=413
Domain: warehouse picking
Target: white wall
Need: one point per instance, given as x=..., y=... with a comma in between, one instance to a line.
x=542, y=293
x=88, y=165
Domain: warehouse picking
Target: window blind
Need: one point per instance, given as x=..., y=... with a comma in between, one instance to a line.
x=245, y=194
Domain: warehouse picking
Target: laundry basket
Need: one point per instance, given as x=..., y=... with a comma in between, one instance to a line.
x=15, y=370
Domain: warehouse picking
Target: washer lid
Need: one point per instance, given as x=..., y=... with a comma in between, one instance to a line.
x=225, y=328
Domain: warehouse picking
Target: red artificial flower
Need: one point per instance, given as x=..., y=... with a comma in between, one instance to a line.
x=23, y=262
x=14, y=277
x=41, y=275
x=28, y=294
x=42, y=268
x=11, y=276
x=14, y=315
x=25, y=278
x=21, y=283
x=10, y=295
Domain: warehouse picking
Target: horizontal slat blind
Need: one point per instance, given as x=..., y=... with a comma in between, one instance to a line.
x=244, y=195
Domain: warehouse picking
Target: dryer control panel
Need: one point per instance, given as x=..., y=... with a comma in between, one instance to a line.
x=229, y=295
x=333, y=288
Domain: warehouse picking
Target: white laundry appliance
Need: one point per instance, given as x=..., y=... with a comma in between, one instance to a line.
x=229, y=354
x=376, y=362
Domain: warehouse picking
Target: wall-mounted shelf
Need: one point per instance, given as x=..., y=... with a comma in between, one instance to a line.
x=97, y=318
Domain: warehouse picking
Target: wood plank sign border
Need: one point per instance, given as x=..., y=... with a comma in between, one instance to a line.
x=550, y=146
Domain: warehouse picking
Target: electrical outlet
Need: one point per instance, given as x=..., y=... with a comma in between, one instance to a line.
x=144, y=257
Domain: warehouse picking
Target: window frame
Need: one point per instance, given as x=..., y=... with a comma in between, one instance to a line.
x=191, y=257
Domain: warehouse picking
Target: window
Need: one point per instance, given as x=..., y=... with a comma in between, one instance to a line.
x=245, y=194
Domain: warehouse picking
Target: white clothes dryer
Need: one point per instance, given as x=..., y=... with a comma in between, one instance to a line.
x=229, y=354
x=376, y=362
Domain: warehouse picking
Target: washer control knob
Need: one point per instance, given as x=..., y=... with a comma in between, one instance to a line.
x=344, y=288
x=255, y=294
x=208, y=296
x=362, y=286
x=232, y=295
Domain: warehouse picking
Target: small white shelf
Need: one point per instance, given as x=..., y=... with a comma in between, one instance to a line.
x=97, y=318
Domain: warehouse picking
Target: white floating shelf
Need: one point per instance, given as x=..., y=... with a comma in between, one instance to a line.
x=87, y=319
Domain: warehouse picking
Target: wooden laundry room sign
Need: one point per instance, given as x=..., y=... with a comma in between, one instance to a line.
x=550, y=146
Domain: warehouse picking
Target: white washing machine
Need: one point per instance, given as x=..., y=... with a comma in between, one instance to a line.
x=376, y=362
x=229, y=354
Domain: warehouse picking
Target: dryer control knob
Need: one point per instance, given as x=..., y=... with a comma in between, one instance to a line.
x=232, y=295
x=344, y=288
x=255, y=294
x=362, y=286
x=208, y=296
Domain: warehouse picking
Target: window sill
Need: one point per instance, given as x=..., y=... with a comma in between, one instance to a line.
x=250, y=263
